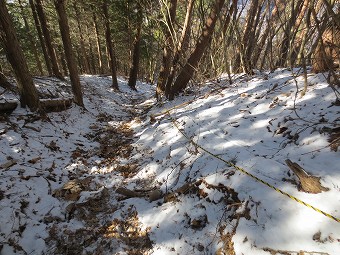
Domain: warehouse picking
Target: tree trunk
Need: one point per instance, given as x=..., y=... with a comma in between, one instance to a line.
x=27, y=91
x=92, y=58
x=30, y=38
x=71, y=62
x=56, y=104
x=136, y=53
x=168, y=31
x=84, y=57
x=184, y=38
x=243, y=59
x=260, y=47
x=288, y=34
x=99, y=46
x=63, y=61
x=41, y=38
x=203, y=41
x=48, y=40
x=110, y=47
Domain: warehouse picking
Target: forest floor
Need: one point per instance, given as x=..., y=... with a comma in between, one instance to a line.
x=203, y=174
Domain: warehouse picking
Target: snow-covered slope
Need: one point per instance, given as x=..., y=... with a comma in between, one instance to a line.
x=255, y=124
x=128, y=176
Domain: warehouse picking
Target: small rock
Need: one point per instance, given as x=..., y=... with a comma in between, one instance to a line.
x=200, y=247
x=155, y=195
x=199, y=222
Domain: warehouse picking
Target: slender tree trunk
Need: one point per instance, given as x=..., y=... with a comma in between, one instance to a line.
x=203, y=41
x=71, y=62
x=266, y=33
x=250, y=40
x=300, y=34
x=184, y=38
x=63, y=61
x=136, y=53
x=30, y=38
x=99, y=46
x=110, y=47
x=84, y=57
x=168, y=49
x=48, y=40
x=92, y=58
x=288, y=35
x=27, y=91
x=243, y=61
x=41, y=38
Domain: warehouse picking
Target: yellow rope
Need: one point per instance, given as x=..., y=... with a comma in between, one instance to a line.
x=249, y=174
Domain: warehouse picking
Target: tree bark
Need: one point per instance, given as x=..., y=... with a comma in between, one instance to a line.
x=260, y=47
x=27, y=91
x=168, y=31
x=288, y=34
x=84, y=57
x=71, y=62
x=184, y=38
x=243, y=59
x=110, y=47
x=203, y=41
x=7, y=107
x=41, y=38
x=48, y=39
x=99, y=46
x=308, y=183
x=92, y=58
x=56, y=104
x=136, y=52
x=30, y=38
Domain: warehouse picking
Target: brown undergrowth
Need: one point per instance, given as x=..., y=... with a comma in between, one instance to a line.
x=101, y=230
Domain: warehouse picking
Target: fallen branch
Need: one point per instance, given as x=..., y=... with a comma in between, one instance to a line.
x=128, y=193
x=6, y=84
x=308, y=183
x=8, y=107
x=56, y=105
x=186, y=188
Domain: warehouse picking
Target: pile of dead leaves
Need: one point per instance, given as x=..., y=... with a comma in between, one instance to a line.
x=114, y=142
x=334, y=139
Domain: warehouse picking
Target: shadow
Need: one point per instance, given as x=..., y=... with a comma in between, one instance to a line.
x=252, y=124
x=257, y=127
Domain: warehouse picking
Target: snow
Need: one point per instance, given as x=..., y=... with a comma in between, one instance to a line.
x=255, y=123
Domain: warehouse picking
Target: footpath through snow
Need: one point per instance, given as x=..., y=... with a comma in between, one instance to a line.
x=121, y=178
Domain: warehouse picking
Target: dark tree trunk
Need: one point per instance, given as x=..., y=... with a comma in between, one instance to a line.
x=27, y=91
x=4, y=83
x=288, y=34
x=62, y=61
x=48, y=40
x=249, y=39
x=92, y=58
x=168, y=48
x=246, y=47
x=71, y=62
x=184, y=38
x=84, y=57
x=30, y=38
x=260, y=47
x=136, y=53
x=110, y=47
x=41, y=38
x=203, y=41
